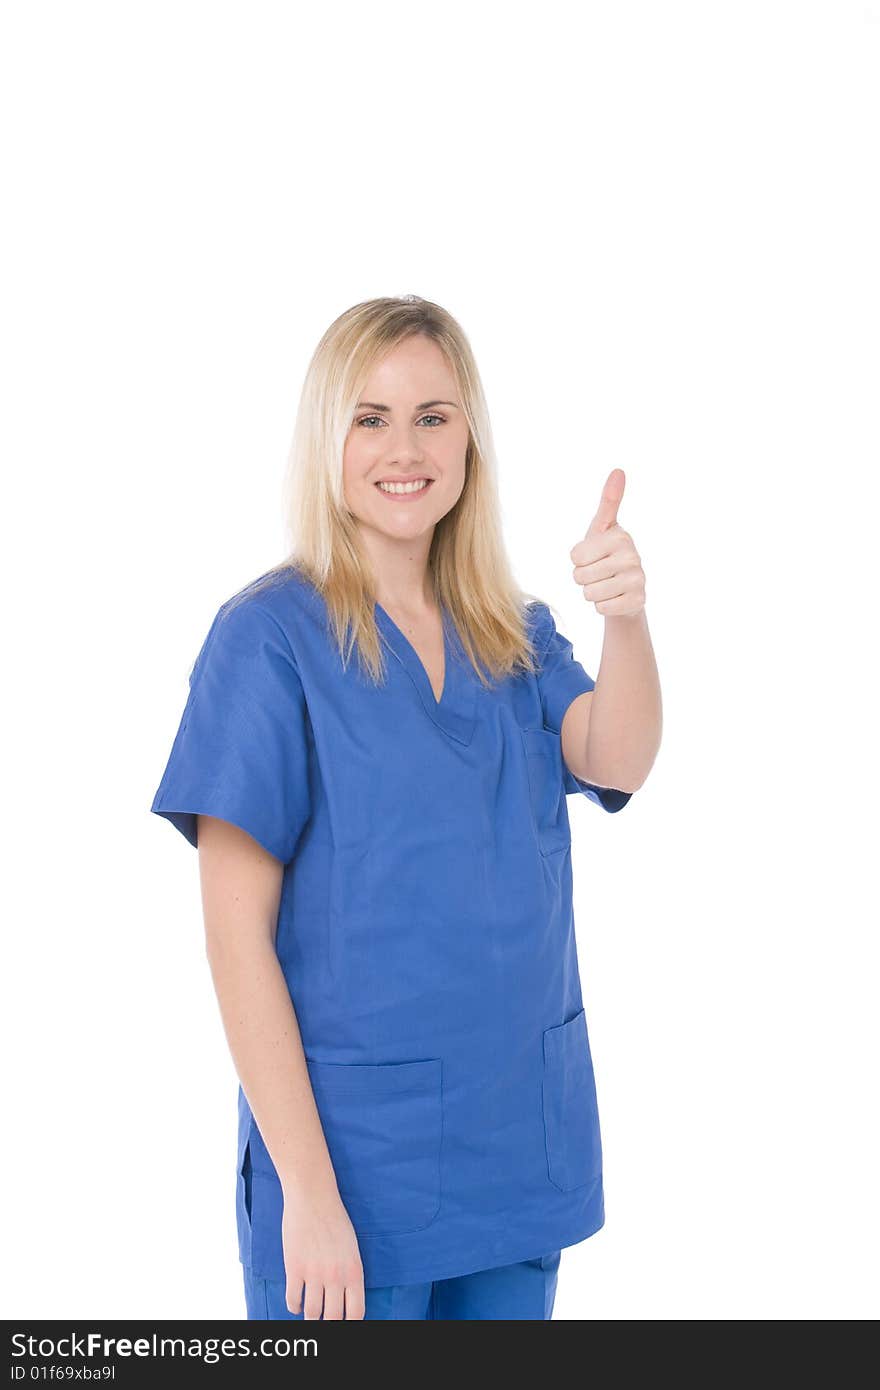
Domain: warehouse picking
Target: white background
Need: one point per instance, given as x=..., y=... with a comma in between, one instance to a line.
x=658, y=224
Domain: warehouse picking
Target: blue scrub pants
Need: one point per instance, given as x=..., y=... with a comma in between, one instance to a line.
x=524, y=1290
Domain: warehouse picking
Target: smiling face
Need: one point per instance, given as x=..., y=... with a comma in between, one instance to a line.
x=410, y=433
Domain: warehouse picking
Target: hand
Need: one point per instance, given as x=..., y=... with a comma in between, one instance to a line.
x=325, y=1277
x=606, y=562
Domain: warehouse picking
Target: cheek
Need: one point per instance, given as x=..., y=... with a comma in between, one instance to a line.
x=456, y=448
x=356, y=461
x=452, y=462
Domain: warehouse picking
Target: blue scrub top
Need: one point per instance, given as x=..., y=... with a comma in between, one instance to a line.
x=425, y=928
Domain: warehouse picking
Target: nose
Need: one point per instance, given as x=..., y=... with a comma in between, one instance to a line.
x=403, y=447
x=404, y=432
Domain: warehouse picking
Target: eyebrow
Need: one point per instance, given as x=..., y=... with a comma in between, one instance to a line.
x=373, y=405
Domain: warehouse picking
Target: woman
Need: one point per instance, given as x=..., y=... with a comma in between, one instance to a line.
x=384, y=853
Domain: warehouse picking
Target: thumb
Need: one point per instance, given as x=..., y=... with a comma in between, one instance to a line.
x=612, y=493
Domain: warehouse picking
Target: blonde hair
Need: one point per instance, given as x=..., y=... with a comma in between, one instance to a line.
x=469, y=569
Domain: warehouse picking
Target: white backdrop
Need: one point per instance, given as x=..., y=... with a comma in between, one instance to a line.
x=658, y=224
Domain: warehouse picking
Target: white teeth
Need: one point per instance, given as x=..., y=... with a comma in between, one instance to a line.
x=404, y=487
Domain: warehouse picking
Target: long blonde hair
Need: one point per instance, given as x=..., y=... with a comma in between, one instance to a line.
x=469, y=568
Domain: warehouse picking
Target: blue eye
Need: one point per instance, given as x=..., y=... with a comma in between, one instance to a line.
x=364, y=418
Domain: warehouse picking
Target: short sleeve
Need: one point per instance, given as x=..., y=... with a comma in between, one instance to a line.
x=241, y=752
x=560, y=679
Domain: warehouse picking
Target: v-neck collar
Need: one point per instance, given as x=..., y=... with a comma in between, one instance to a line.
x=454, y=712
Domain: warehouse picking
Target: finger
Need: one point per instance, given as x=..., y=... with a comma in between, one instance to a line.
x=612, y=494
x=313, y=1302
x=294, y=1295
x=603, y=568
x=599, y=545
x=617, y=586
x=627, y=606
x=333, y=1302
x=355, y=1301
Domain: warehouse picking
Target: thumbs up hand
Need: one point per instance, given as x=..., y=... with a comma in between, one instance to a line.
x=606, y=563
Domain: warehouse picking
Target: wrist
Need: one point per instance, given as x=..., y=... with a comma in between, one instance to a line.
x=309, y=1186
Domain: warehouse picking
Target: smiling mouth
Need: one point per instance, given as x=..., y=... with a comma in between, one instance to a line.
x=414, y=488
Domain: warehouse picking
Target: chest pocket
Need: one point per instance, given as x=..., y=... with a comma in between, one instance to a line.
x=546, y=789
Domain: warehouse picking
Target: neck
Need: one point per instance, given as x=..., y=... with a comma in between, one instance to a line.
x=402, y=579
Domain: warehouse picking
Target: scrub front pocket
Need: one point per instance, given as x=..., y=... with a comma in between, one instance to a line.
x=546, y=788
x=383, y=1126
x=571, y=1117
